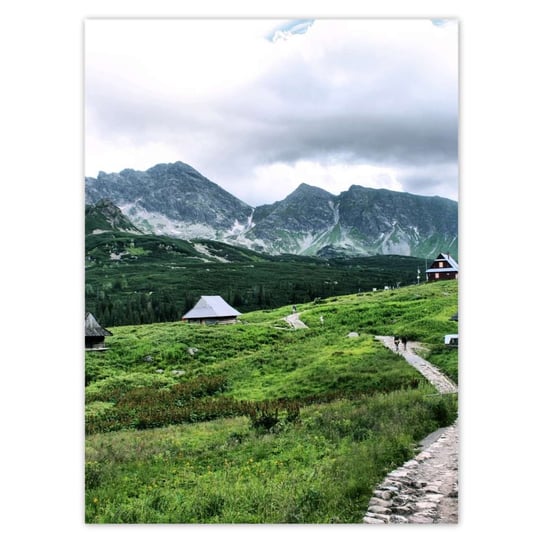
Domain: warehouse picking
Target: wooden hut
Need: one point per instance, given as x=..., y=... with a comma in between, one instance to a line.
x=444, y=267
x=94, y=334
x=211, y=310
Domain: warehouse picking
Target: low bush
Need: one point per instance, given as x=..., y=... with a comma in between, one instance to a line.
x=111, y=389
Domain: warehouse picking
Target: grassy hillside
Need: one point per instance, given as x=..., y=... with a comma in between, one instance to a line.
x=147, y=279
x=260, y=423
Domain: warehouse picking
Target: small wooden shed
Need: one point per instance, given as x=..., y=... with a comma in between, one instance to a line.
x=95, y=334
x=211, y=310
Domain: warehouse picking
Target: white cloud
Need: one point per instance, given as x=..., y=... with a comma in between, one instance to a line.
x=337, y=100
x=279, y=179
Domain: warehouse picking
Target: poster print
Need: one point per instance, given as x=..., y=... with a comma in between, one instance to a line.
x=271, y=271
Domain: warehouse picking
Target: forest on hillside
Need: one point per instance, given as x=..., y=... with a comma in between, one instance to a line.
x=142, y=291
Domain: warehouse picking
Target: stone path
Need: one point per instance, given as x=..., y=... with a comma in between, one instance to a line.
x=441, y=382
x=424, y=489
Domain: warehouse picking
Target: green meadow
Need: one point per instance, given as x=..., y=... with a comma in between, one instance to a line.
x=258, y=422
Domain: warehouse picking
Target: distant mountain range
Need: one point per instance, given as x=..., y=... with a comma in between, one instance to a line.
x=177, y=201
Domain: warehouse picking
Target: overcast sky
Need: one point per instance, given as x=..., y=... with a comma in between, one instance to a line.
x=261, y=105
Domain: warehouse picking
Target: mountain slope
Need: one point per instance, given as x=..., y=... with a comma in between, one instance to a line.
x=172, y=199
x=176, y=200
x=105, y=216
x=360, y=221
x=293, y=225
x=388, y=222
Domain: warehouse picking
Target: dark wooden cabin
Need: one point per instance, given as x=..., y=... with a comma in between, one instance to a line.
x=444, y=267
x=95, y=335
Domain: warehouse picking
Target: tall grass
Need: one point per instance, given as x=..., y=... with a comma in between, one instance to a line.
x=321, y=469
x=260, y=423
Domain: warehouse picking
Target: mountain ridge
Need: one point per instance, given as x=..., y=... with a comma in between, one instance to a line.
x=176, y=200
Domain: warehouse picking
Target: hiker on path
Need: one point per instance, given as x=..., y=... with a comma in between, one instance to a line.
x=294, y=309
x=396, y=343
x=404, y=342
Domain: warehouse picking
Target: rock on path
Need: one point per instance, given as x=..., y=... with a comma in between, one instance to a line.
x=424, y=489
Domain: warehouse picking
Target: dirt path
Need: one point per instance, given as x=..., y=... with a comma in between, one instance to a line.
x=424, y=489
x=295, y=322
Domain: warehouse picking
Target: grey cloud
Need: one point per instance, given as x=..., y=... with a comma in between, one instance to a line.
x=432, y=180
x=348, y=135
x=260, y=132
x=360, y=138
x=355, y=104
x=298, y=112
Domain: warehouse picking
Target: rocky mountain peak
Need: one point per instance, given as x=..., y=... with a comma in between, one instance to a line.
x=306, y=190
x=176, y=200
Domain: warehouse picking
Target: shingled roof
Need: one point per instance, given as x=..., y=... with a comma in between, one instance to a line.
x=211, y=307
x=93, y=328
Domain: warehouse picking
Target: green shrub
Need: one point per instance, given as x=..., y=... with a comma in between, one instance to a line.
x=111, y=389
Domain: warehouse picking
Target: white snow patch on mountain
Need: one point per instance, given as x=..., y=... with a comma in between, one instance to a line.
x=205, y=250
x=160, y=224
